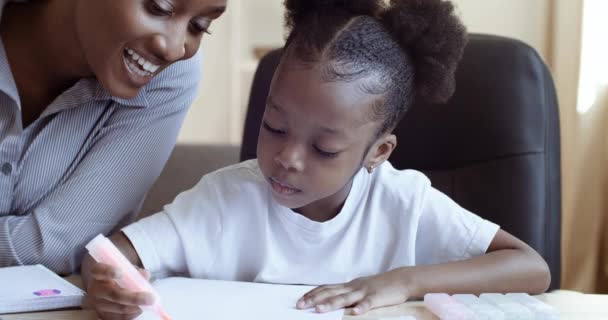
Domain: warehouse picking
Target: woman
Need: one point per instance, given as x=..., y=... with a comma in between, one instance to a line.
x=92, y=96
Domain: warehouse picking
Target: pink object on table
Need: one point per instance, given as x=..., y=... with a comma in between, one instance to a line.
x=446, y=307
x=104, y=251
x=47, y=292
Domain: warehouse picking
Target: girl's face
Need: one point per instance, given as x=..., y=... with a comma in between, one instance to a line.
x=315, y=136
x=127, y=42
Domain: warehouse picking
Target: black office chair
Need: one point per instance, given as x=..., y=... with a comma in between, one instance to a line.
x=494, y=147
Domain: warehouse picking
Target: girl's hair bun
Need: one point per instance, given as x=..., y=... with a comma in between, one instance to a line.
x=433, y=35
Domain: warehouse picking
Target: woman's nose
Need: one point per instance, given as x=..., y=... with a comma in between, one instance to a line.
x=170, y=47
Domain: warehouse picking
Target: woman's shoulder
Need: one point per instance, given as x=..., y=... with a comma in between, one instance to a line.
x=178, y=83
x=179, y=74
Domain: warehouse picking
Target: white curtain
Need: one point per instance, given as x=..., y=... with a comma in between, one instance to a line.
x=578, y=60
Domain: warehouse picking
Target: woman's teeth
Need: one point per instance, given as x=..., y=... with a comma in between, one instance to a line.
x=139, y=65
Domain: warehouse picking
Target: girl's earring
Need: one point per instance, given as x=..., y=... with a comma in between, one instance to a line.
x=370, y=169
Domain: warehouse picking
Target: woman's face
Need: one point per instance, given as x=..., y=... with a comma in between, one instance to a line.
x=127, y=42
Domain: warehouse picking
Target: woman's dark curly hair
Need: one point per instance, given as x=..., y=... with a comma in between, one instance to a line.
x=403, y=50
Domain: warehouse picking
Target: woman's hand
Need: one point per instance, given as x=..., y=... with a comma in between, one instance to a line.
x=109, y=300
x=362, y=294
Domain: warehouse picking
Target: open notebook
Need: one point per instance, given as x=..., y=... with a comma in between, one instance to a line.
x=35, y=288
x=185, y=299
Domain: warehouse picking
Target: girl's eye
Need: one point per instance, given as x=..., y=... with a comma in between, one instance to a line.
x=197, y=27
x=158, y=9
x=326, y=154
x=271, y=129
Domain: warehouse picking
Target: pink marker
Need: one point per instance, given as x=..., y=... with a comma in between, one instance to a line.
x=104, y=251
x=446, y=307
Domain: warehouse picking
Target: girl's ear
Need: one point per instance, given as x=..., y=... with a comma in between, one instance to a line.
x=380, y=151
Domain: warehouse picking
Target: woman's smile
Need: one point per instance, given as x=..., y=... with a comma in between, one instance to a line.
x=139, y=69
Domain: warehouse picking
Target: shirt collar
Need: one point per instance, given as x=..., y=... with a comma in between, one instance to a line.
x=7, y=81
x=140, y=100
x=87, y=90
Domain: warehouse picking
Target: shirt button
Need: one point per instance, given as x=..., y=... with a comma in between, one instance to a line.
x=6, y=169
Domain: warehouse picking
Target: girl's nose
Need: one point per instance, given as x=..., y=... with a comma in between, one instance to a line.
x=290, y=158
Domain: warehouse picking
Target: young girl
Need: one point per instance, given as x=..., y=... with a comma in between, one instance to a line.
x=321, y=205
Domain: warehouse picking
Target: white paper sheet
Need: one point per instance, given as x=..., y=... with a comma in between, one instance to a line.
x=185, y=299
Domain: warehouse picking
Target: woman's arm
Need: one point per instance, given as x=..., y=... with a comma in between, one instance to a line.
x=108, y=185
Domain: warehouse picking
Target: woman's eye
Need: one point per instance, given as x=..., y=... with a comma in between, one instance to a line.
x=158, y=9
x=271, y=129
x=326, y=154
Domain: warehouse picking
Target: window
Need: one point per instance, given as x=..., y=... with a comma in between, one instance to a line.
x=593, y=81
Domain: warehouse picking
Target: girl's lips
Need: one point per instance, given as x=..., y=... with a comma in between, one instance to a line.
x=282, y=188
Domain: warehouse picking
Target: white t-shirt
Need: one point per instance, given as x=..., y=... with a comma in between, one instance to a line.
x=228, y=227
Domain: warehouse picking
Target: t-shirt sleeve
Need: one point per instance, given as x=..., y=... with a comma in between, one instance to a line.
x=447, y=232
x=181, y=236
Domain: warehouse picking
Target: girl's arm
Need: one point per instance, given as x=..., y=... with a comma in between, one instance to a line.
x=509, y=265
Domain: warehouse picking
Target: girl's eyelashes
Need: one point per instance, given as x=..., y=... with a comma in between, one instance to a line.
x=319, y=151
x=326, y=154
x=271, y=129
x=201, y=26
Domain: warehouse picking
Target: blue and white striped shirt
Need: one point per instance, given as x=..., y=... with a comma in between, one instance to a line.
x=85, y=165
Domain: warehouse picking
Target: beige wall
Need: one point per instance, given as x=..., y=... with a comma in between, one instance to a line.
x=527, y=20
x=209, y=118
x=217, y=115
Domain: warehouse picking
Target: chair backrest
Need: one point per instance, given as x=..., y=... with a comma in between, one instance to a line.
x=494, y=147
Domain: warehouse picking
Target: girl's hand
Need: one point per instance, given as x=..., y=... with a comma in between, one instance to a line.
x=362, y=294
x=109, y=300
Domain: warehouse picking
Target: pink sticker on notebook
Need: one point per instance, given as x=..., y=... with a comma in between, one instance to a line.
x=47, y=292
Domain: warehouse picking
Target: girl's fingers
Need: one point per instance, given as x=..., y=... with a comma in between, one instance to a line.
x=314, y=298
x=104, y=272
x=364, y=305
x=118, y=295
x=319, y=288
x=145, y=273
x=117, y=309
x=117, y=316
x=340, y=301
